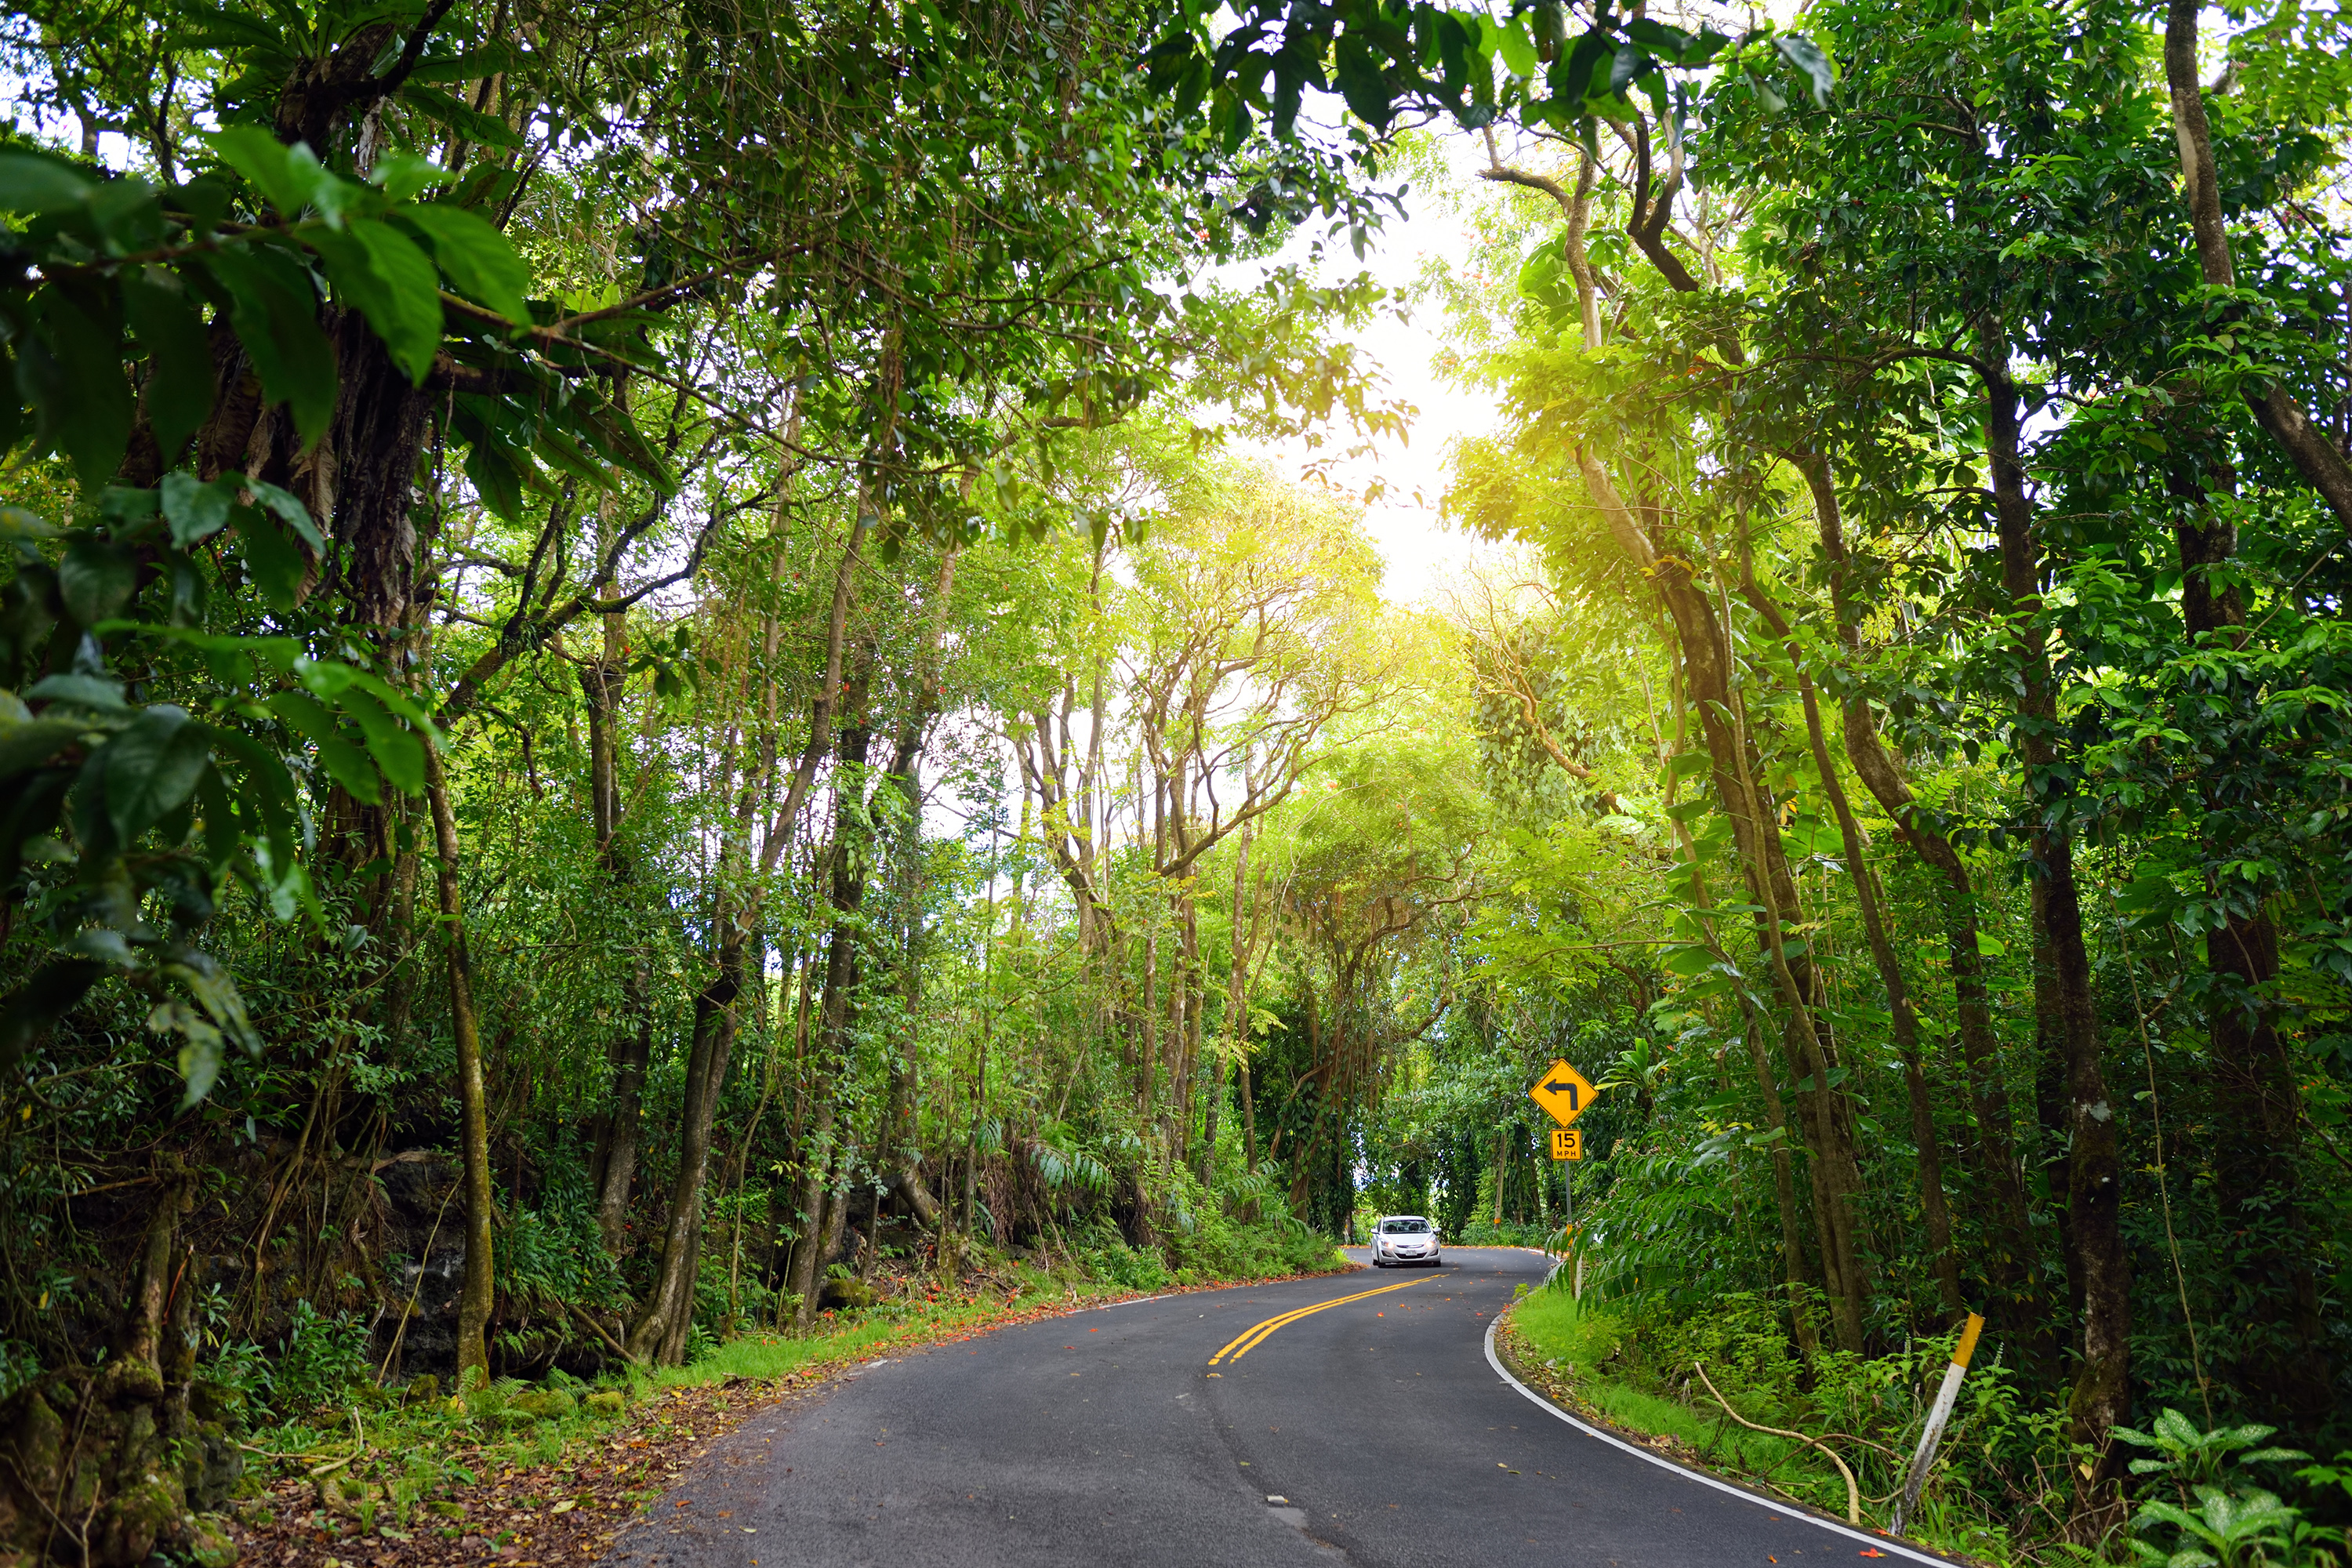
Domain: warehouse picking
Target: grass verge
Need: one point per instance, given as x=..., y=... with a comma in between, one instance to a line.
x=1564, y=1349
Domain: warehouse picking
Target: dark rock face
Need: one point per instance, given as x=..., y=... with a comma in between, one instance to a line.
x=213, y=1467
x=417, y=1326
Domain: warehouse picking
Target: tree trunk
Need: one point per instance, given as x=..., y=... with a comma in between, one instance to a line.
x=2258, y=1115
x=2012, y=1263
x=2306, y=446
x=1827, y=1118
x=1890, y=969
x=2101, y=1392
x=474, y=1299
x=846, y=896
x=660, y=1334
x=623, y=1118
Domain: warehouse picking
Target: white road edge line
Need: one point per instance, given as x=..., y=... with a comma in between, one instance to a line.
x=1886, y=1543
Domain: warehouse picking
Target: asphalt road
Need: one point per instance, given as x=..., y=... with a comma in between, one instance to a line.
x=1108, y=1437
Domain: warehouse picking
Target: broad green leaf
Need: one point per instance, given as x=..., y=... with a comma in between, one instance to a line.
x=276, y=313
x=345, y=763
x=289, y=511
x=30, y=185
x=291, y=177
x=380, y=269
x=41, y=1001
x=96, y=579
x=276, y=563
x=497, y=478
x=404, y=175
x=223, y=830
x=29, y=744
x=197, y=511
x=95, y=692
x=1990, y=946
x=399, y=753
x=70, y=371
x=179, y=390
x=201, y=1055
x=476, y=257
x=1518, y=50
x=261, y=159
x=330, y=680
x=1807, y=57
x=214, y=991
x=460, y=116
x=151, y=767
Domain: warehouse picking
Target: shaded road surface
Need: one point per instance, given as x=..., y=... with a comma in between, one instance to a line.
x=1101, y=1439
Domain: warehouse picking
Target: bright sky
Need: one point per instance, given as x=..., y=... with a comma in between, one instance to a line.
x=1423, y=556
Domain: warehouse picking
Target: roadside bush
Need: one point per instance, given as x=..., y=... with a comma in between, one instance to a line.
x=323, y=1354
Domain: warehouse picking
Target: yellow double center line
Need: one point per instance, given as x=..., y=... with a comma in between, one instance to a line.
x=1249, y=1338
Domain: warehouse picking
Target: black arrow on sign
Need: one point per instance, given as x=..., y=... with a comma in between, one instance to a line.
x=1555, y=1087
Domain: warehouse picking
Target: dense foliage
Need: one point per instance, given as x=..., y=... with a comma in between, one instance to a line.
x=643, y=693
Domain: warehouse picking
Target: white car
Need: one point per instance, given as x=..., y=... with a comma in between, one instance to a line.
x=1402, y=1238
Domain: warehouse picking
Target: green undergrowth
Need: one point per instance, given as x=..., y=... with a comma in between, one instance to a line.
x=396, y=1461
x=2001, y=1487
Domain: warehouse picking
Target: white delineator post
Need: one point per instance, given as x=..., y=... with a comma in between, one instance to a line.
x=1938, y=1414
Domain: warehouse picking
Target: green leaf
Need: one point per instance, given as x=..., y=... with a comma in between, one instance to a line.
x=1518, y=49
x=96, y=579
x=27, y=745
x=404, y=175
x=70, y=371
x=497, y=476
x=276, y=563
x=1657, y=36
x=199, y=1057
x=398, y=753
x=223, y=833
x=1990, y=946
x=380, y=269
x=290, y=511
x=329, y=679
x=1628, y=66
x=291, y=177
x=215, y=991
x=48, y=995
x=94, y=692
x=30, y=185
x=476, y=257
x=1570, y=77
x=460, y=116
x=150, y=768
x=196, y=511
x=1807, y=57
x=274, y=308
x=179, y=392
x=345, y=763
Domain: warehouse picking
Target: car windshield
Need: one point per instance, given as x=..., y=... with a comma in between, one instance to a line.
x=1404, y=1227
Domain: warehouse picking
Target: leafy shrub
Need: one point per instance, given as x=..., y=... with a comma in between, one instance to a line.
x=2218, y=1517
x=1105, y=1254
x=323, y=1354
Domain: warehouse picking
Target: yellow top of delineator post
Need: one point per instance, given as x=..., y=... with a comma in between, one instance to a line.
x=1967, y=1345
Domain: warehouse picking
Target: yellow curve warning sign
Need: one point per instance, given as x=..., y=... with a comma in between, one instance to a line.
x=1563, y=1091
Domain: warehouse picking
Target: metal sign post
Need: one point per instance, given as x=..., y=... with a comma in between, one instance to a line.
x=1565, y=1094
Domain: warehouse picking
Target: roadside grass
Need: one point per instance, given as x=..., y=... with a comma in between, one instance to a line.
x=1581, y=1353
x=1574, y=1339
